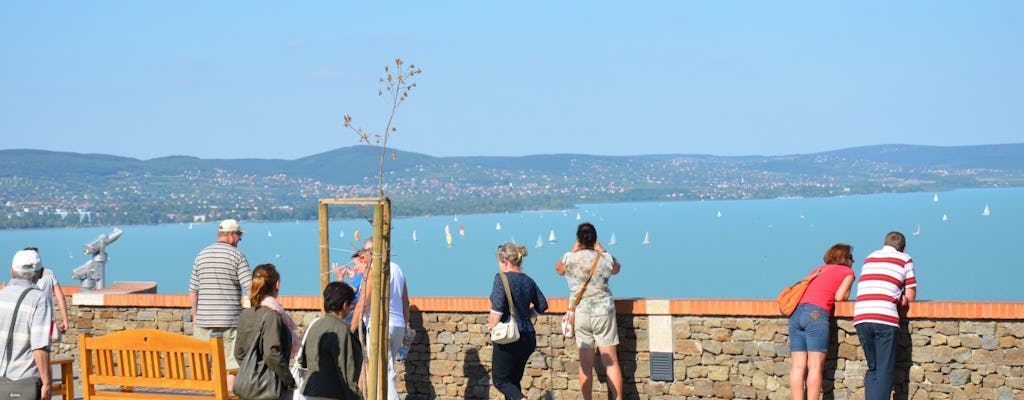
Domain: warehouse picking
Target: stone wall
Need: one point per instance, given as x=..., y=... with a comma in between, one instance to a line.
x=712, y=357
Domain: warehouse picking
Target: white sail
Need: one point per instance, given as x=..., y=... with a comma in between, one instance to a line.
x=341, y=234
x=540, y=243
x=414, y=235
x=918, y=231
x=719, y=215
x=611, y=242
x=945, y=217
x=551, y=236
x=577, y=216
x=647, y=238
x=497, y=226
x=986, y=212
x=935, y=198
x=270, y=234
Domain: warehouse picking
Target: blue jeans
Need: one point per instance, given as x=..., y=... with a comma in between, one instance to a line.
x=879, y=344
x=809, y=329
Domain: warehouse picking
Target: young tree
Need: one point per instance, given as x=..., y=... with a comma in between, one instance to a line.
x=397, y=85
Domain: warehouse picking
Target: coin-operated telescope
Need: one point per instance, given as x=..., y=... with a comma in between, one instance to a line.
x=91, y=273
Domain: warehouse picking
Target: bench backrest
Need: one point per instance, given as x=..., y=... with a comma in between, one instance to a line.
x=150, y=358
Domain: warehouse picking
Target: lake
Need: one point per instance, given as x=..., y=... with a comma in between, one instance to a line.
x=696, y=249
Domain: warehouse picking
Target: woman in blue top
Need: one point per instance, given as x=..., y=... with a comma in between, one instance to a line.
x=508, y=360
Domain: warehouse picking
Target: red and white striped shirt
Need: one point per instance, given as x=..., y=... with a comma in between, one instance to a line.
x=885, y=275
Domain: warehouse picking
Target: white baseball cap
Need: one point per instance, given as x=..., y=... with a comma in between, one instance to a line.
x=229, y=225
x=26, y=261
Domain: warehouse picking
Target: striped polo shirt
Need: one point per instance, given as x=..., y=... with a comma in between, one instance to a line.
x=219, y=275
x=885, y=275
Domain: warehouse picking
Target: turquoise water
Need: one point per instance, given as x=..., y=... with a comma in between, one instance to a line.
x=751, y=251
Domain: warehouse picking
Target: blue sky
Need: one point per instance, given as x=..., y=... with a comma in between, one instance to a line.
x=262, y=79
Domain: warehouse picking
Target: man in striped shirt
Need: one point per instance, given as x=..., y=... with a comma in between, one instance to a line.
x=220, y=274
x=26, y=343
x=887, y=283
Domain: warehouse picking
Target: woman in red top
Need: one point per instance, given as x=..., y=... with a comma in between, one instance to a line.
x=809, y=324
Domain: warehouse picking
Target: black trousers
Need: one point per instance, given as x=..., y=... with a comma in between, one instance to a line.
x=508, y=362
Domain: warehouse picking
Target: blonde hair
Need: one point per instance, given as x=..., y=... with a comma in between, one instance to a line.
x=512, y=253
x=264, y=283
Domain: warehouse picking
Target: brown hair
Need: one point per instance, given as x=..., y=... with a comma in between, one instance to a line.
x=839, y=254
x=264, y=283
x=896, y=240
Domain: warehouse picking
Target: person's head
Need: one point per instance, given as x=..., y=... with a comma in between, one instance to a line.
x=512, y=253
x=265, y=282
x=361, y=259
x=26, y=264
x=839, y=254
x=586, y=235
x=896, y=240
x=229, y=232
x=39, y=273
x=338, y=297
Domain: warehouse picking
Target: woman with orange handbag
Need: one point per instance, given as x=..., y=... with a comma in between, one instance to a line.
x=809, y=325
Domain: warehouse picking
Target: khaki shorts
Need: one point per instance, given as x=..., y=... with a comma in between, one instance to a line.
x=228, y=334
x=600, y=330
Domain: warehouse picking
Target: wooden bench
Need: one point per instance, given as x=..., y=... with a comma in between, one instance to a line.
x=151, y=364
x=66, y=386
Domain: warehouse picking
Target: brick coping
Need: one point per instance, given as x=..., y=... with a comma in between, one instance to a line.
x=931, y=309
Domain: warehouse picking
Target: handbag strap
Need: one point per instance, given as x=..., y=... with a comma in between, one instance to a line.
x=579, y=293
x=508, y=294
x=300, y=358
x=10, y=333
x=815, y=274
x=259, y=334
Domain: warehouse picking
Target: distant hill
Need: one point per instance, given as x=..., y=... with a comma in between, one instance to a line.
x=36, y=185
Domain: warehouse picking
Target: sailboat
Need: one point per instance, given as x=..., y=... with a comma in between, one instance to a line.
x=945, y=217
x=462, y=231
x=918, y=231
x=448, y=235
x=414, y=235
x=935, y=199
x=647, y=238
x=270, y=234
x=577, y=216
x=189, y=226
x=551, y=236
x=719, y=215
x=341, y=233
x=986, y=211
x=540, y=243
x=611, y=242
x=497, y=226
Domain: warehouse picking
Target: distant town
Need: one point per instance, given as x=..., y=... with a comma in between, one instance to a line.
x=48, y=189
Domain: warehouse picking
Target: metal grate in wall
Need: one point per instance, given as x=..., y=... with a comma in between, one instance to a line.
x=661, y=367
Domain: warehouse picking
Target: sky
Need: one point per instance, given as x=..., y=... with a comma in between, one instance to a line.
x=273, y=80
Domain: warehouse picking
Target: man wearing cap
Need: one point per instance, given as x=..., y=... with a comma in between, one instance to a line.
x=26, y=352
x=219, y=275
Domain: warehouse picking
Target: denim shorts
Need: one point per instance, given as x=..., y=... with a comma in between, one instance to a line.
x=809, y=329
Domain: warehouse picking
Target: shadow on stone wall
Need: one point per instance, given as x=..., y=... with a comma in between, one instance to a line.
x=627, y=357
x=828, y=376
x=417, y=364
x=904, y=355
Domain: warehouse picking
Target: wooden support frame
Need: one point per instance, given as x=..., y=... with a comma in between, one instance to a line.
x=376, y=374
